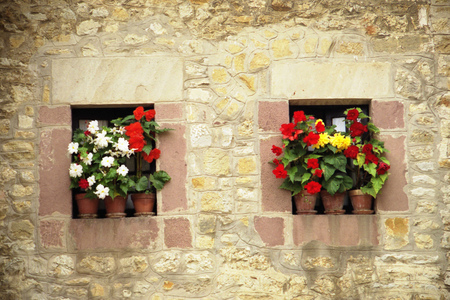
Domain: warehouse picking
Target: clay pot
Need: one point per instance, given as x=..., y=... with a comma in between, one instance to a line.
x=333, y=203
x=143, y=204
x=115, y=208
x=305, y=203
x=87, y=208
x=362, y=203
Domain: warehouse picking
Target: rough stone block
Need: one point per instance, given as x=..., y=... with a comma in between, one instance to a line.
x=271, y=230
x=173, y=160
x=117, y=80
x=54, y=181
x=177, y=233
x=272, y=114
x=392, y=196
x=318, y=80
x=393, y=119
x=273, y=198
x=397, y=233
x=57, y=115
x=127, y=233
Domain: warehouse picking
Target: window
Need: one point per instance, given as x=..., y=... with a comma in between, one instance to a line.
x=81, y=118
x=331, y=115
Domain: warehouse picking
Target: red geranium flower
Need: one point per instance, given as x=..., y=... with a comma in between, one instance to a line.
x=311, y=139
x=353, y=114
x=371, y=158
x=383, y=168
x=87, y=132
x=137, y=142
x=320, y=127
x=367, y=149
x=313, y=163
x=313, y=187
x=154, y=154
x=280, y=172
x=277, y=150
x=83, y=183
x=318, y=173
x=288, y=131
x=138, y=113
x=150, y=114
x=357, y=129
x=299, y=116
x=133, y=129
x=351, y=152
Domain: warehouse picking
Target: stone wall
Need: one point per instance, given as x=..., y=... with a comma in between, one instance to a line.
x=223, y=74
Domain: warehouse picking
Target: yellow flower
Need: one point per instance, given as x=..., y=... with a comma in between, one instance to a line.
x=323, y=140
x=340, y=142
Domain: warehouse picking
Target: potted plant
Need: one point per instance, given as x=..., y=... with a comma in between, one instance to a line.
x=141, y=131
x=104, y=152
x=366, y=162
x=311, y=158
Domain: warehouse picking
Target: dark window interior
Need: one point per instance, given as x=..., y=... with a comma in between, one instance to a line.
x=327, y=113
x=82, y=116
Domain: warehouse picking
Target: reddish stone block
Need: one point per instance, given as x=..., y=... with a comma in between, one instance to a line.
x=177, y=233
x=56, y=115
x=126, y=233
x=54, y=181
x=342, y=230
x=388, y=114
x=273, y=198
x=392, y=196
x=169, y=111
x=51, y=233
x=173, y=160
x=272, y=114
x=271, y=230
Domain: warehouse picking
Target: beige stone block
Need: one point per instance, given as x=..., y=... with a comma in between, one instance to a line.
x=21, y=230
x=120, y=14
x=220, y=75
x=61, y=266
x=310, y=45
x=99, y=265
x=249, y=81
x=213, y=201
x=282, y=48
x=88, y=27
x=134, y=265
x=19, y=191
x=97, y=290
x=21, y=93
x=205, y=242
x=247, y=165
x=16, y=41
x=259, y=60
x=118, y=80
x=352, y=48
x=207, y=223
x=203, y=183
x=423, y=241
x=318, y=80
x=216, y=162
x=397, y=233
x=5, y=125
x=239, y=62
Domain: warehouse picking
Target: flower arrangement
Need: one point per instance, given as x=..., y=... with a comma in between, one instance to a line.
x=367, y=164
x=98, y=165
x=140, y=129
x=311, y=156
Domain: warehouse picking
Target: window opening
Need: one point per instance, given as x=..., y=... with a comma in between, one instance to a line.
x=330, y=115
x=80, y=119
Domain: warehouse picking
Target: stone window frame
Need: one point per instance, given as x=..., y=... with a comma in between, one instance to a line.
x=57, y=228
x=277, y=226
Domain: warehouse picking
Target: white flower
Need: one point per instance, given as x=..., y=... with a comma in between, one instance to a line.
x=73, y=148
x=122, y=145
x=93, y=127
x=107, y=161
x=75, y=170
x=122, y=170
x=91, y=180
x=88, y=159
x=102, y=191
x=102, y=140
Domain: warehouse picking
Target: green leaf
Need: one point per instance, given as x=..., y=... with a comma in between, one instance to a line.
x=373, y=128
x=328, y=171
x=292, y=172
x=111, y=174
x=306, y=177
x=341, y=162
x=147, y=148
x=371, y=168
x=142, y=184
x=158, y=179
x=360, y=160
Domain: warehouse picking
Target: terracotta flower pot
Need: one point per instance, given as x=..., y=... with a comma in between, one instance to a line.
x=87, y=208
x=333, y=203
x=115, y=208
x=305, y=203
x=143, y=204
x=362, y=203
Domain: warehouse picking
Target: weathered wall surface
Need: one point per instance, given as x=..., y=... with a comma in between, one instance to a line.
x=222, y=73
